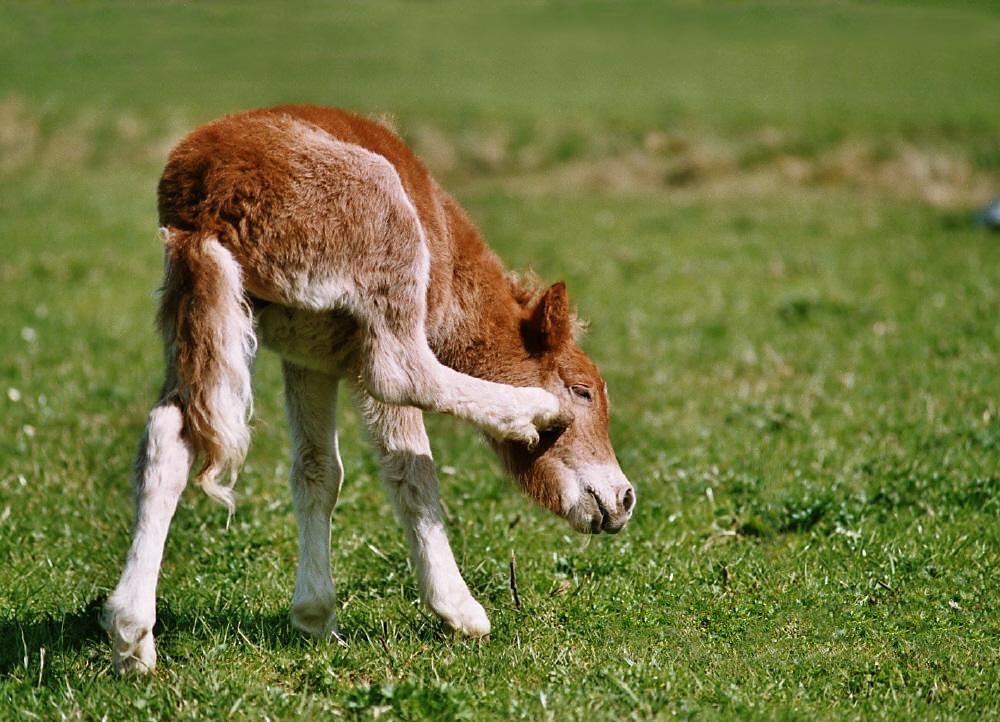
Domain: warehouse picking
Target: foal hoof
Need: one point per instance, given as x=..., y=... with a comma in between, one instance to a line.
x=317, y=620
x=549, y=413
x=467, y=617
x=533, y=410
x=136, y=659
x=133, y=648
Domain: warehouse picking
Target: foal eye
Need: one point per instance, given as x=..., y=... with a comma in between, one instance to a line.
x=582, y=392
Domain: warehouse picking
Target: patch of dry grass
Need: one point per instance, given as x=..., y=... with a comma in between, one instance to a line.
x=654, y=162
x=50, y=138
x=20, y=134
x=548, y=159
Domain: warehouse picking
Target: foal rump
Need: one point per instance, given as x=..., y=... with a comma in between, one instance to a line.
x=207, y=326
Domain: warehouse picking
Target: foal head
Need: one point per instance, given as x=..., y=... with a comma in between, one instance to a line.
x=573, y=471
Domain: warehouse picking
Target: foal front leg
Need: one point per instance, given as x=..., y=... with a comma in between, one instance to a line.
x=412, y=484
x=161, y=471
x=316, y=478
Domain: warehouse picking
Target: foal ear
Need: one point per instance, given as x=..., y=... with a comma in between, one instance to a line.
x=548, y=325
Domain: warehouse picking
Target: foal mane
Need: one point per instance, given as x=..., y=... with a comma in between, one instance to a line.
x=527, y=288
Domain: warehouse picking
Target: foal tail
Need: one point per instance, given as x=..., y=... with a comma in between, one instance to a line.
x=207, y=326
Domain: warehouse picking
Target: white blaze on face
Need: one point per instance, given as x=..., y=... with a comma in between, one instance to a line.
x=597, y=497
x=607, y=483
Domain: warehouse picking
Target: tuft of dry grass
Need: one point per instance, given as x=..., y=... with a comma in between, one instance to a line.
x=20, y=134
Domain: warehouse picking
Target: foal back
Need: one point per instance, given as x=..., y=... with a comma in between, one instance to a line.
x=310, y=218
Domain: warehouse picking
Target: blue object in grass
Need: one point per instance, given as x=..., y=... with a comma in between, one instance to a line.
x=990, y=215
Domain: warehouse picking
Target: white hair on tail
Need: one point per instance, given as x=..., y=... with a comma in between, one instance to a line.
x=229, y=397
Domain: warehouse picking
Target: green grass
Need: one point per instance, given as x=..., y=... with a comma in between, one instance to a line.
x=803, y=370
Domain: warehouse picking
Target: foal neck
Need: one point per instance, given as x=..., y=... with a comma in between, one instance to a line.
x=481, y=334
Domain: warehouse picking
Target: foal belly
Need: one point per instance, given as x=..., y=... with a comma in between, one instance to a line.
x=325, y=341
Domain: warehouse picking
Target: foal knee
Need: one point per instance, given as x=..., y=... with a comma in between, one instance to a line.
x=317, y=477
x=398, y=376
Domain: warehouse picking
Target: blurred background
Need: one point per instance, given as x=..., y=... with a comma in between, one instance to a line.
x=896, y=95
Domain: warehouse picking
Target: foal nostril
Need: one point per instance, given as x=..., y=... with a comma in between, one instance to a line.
x=628, y=500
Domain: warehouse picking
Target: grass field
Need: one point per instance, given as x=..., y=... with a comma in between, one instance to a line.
x=764, y=210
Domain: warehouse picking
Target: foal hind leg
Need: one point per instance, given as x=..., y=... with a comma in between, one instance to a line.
x=161, y=471
x=410, y=478
x=316, y=478
x=400, y=369
x=397, y=364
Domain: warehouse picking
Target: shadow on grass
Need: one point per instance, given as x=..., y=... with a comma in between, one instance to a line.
x=58, y=635
x=63, y=636
x=67, y=636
